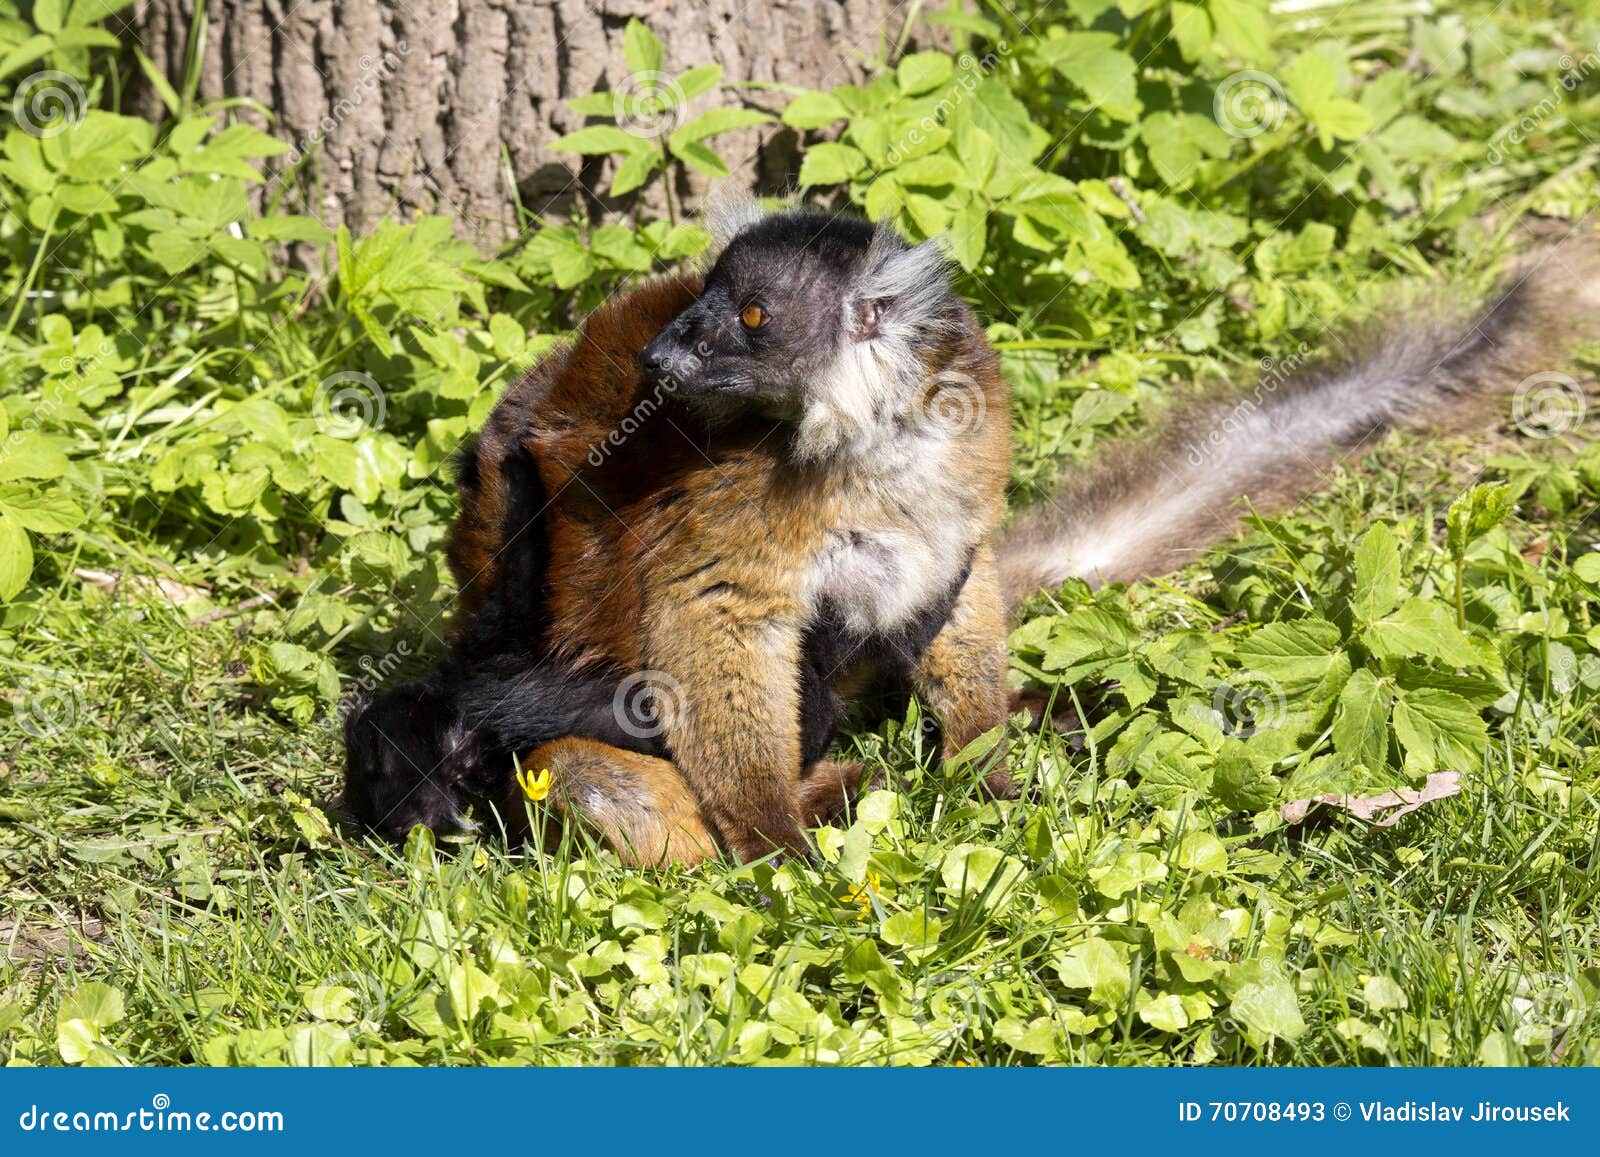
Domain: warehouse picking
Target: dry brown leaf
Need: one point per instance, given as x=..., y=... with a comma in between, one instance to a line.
x=142, y=584
x=1440, y=785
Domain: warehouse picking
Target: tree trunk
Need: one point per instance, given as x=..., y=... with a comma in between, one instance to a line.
x=451, y=105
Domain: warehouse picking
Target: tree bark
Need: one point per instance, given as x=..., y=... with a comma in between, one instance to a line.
x=451, y=105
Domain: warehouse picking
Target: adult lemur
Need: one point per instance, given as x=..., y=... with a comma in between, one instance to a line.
x=736, y=499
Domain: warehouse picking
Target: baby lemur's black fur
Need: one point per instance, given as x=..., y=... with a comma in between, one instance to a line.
x=793, y=515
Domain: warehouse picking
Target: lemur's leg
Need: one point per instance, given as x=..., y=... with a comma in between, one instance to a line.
x=961, y=675
x=732, y=722
x=637, y=803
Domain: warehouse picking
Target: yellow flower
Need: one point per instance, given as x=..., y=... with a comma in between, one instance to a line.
x=861, y=894
x=535, y=787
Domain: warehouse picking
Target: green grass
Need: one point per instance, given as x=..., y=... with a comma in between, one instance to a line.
x=168, y=840
x=177, y=887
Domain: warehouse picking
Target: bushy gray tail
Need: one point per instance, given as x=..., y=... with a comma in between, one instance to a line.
x=1150, y=506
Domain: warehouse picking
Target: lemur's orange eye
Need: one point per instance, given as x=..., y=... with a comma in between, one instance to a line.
x=753, y=316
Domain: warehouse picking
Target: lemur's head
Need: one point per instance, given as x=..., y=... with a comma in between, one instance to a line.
x=828, y=322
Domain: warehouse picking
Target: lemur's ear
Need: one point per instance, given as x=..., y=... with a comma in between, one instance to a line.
x=901, y=286
x=728, y=211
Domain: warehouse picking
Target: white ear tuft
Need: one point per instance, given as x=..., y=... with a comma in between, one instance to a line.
x=727, y=212
x=908, y=283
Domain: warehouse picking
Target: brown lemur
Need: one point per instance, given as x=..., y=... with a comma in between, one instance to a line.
x=735, y=500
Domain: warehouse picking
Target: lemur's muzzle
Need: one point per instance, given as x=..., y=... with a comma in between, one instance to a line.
x=671, y=356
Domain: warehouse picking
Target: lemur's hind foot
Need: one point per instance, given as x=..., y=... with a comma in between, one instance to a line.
x=642, y=808
x=637, y=804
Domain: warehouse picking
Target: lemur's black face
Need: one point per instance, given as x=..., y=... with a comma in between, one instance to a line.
x=770, y=318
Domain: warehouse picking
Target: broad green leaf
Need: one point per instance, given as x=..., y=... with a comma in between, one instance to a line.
x=1191, y=30
x=634, y=171
x=1438, y=730
x=935, y=170
x=1382, y=992
x=1106, y=75
x=1178, y=143
x=641, y=49
x=979, y=871
x=714, y=122
x=1242, y=26
x=16, y=557
x=1361, y=721
x=1294, y=654
x=1377, y=573
x=814, y=110
x=95, y=1003
x=52, y=513
x=1312, y=80
x=1424, y=627
x=1268, y=1005
x=922, y=71
x=600, y=139
x=1099, y=966
x=1340, y=120
x=698, y=80
x=31, y=456
x=701, y=157
x=914, y=929
x=830, y=163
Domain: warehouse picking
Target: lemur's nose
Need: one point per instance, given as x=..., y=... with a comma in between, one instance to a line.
x=658, y=354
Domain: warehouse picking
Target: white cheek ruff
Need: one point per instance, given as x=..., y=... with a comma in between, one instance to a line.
x=854, y=406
